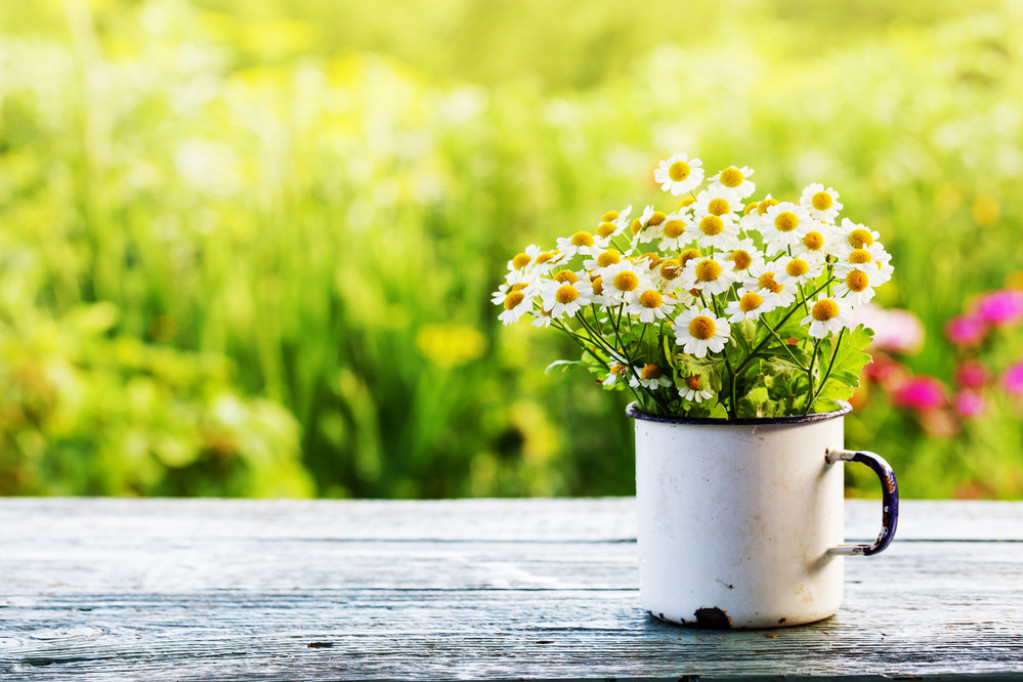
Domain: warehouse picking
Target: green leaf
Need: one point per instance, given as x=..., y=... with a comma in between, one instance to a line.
x=562, y=364
x=847, y=365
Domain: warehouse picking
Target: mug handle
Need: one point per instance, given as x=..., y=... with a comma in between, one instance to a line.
x=889, y=501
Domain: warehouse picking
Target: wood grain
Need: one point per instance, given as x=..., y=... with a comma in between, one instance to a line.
x=112, y=589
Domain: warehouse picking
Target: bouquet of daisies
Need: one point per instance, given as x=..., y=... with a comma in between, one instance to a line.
x=715, y=306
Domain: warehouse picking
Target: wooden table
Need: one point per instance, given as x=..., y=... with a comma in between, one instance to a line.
x=111, y=589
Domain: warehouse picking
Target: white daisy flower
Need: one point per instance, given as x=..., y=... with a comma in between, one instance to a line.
x=828, y=315
x=615, y=373
x=675, y=232
x=623, y=279
x=523, y=260
x=850, y=235
x=542, y=318
x=528, y=289
x=566, y=297
x=823, y=204
x=858, y=286
x=692, y=391
x=783, y=225
x=516, y=304
x=734, y=181
x=650, y=305
x=710, y=274
x=679, y=174
x=644, y=229
x=710, y=202
x=745, y=255
x=698, y=330
x=651, y=376
x=599, y=264
x=764, y=276
x=669, y=274
x=751, y=305
x=869, y=257
x=751, y=218
x=719, y=232
x=819, y=239
x=798, y=269
x=613, y=223
x=582, y=242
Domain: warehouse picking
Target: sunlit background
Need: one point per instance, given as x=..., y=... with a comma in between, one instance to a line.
x=247, y=248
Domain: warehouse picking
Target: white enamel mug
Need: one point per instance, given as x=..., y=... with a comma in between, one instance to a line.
x=740, y=522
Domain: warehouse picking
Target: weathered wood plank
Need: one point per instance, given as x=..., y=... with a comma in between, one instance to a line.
x=578, y=520
x=475, y=589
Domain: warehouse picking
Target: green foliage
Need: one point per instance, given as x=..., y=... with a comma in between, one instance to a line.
x=299, y=205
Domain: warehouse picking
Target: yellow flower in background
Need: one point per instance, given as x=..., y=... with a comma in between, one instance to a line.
x=449, y=345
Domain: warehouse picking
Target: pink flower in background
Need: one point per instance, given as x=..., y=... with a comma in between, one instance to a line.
x=1013, y=379
x=966, y=330
x=920, y=393
x=1001, y=308
x=883, y=370
x=899, y=331
x=969, y=403
x=972, y=374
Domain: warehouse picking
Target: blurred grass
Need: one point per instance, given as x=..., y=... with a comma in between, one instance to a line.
x=317, y=198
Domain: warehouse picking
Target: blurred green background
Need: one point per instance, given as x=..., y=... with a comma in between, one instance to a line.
x=246, y=248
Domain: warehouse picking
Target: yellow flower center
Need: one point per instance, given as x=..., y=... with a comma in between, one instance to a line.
x=606, y=229
x=786, y=221
x=857, y=281
x=607, y=258
x=656, y=218
x=687, y=256
x=686, y=201
x=860, y=237
x=768, y=282
x=693, y=382
x=616, y=369
x=650, y=299
x=673, y=228
x=670, y=268
x=544, y=257
x=797, y=267
x=582, y=239
x=678, y=171
x=766, y=204
x=520, y=261
x=566, y=293
x=520, y=286
x=609, y=216
x=860, y=256
x=651, y=372
x=731, y=177
x=566, y=277
x=626, y=280
x=513, y=299
x=741, y=259
x=598, y=285
x=813, y=240
x=750, y=301
x=718, y=206
x=822, y=201
x=824, y=310
x=702, y=327
x=750, y=207
x=708, y=270
x=635, y=226
x=712, y=225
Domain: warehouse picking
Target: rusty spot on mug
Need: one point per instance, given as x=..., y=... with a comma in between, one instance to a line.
x=713, y=618
x=781, y=620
